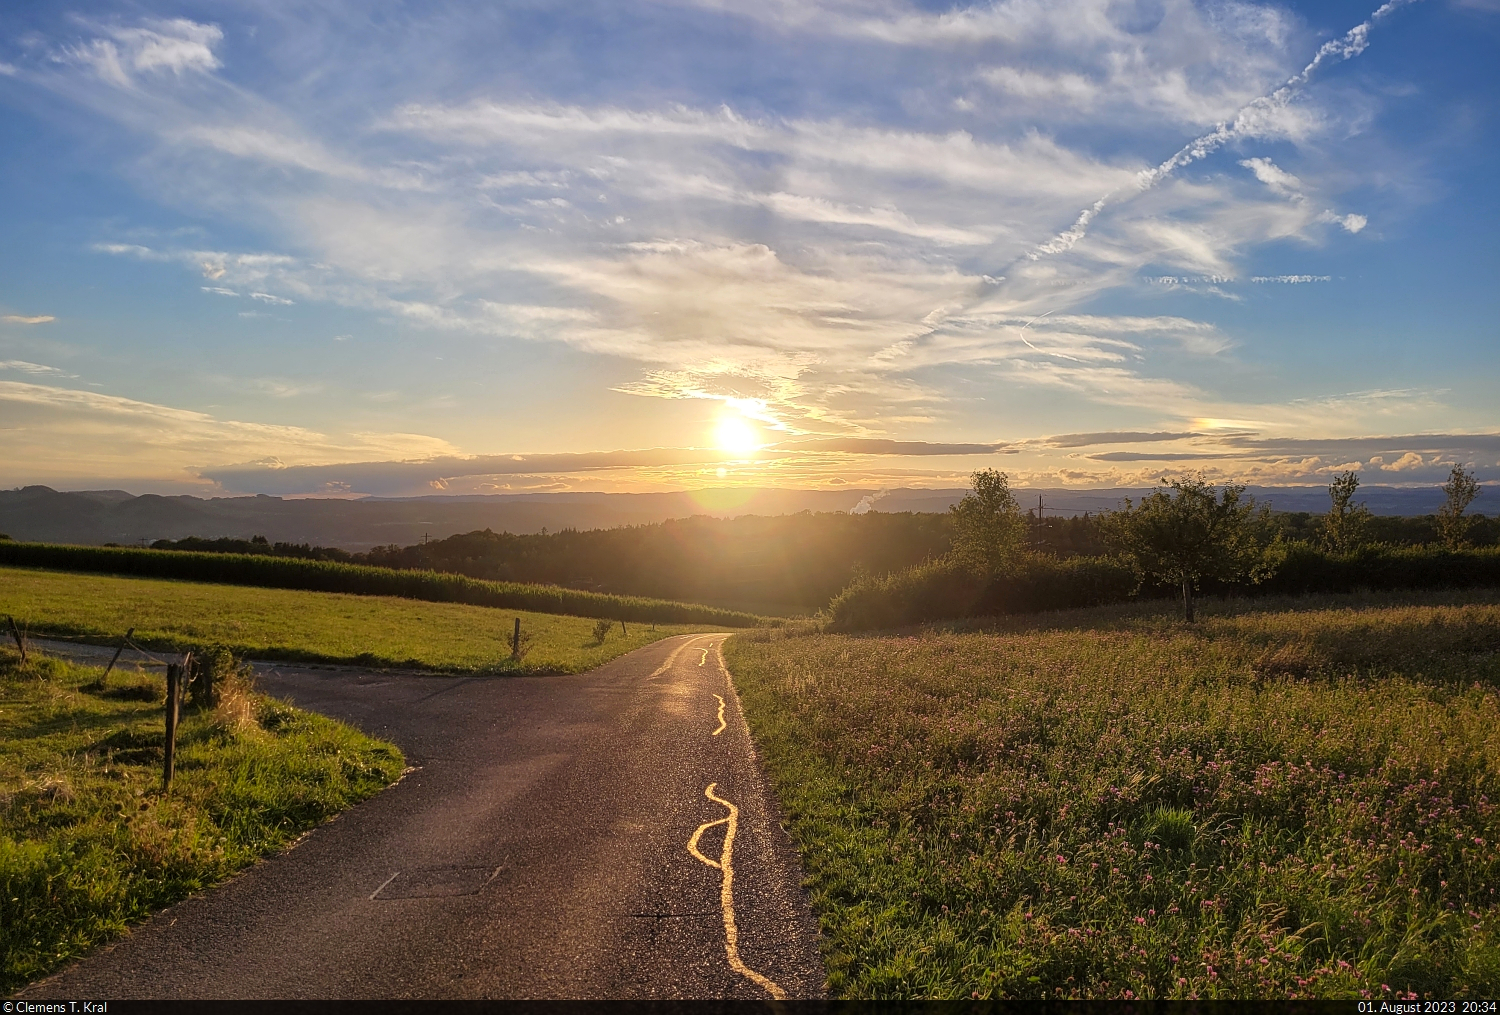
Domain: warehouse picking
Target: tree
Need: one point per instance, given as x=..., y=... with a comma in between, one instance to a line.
x=1344, y=525
x=1453, y=525
x=1193, y=532
x=988, y=526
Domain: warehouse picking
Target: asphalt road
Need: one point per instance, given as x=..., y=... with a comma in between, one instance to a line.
x=540, y=848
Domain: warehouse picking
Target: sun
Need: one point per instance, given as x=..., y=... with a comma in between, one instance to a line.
x=736, y=436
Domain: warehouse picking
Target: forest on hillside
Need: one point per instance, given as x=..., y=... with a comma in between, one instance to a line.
x=781, y=564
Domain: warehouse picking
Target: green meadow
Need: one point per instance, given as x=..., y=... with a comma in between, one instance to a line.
x=88, y=842
x=1290, y=799
x=327, y=627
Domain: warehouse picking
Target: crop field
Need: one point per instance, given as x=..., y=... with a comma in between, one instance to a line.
x=1290, y=799
x=88, y=844
x=312, y=626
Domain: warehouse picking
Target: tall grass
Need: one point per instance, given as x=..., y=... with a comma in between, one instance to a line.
x=362, y=580
x=1267, y=805
x=89, y=845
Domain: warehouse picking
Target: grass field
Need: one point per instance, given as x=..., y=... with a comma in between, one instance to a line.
x=311, y=626
x=88, y=844
x=1294, y=799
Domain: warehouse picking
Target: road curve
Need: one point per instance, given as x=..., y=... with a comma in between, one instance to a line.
x=605, y=835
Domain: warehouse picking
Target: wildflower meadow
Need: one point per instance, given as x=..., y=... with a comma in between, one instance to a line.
x=1297, y=800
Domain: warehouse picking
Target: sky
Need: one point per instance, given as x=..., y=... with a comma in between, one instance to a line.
x=474, y=247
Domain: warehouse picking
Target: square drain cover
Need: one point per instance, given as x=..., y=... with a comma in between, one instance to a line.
x=435, y=882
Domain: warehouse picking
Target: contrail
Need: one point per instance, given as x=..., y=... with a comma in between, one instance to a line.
x=1351, y=44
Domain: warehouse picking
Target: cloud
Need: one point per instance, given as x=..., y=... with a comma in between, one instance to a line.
x=68, y=433
x=1349, y=223
x=1079, y=440
x=1408, y=461
x=1273, y=176
x=833, y=270
x=19, y=319
x=1268, y=116
x=174, y=46
x=877, y=446
x=1067, y=460
x=1291, y=279
x=24, y=367
x=389, y=477
x=1146, y=456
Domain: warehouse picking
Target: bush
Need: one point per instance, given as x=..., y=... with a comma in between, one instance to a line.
x=1308, y=569
x=946, y=589
x=361, y=580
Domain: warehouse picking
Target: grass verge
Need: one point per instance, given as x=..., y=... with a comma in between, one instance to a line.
x=311, y=626
x=89, y=845
x=1270, y=804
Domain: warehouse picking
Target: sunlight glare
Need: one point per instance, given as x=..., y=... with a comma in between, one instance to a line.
x=736, y=437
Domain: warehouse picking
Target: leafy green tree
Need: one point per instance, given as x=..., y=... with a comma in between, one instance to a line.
x=1345, y=525
x=989, y=529
x=1191, y=532
x=1453, y=524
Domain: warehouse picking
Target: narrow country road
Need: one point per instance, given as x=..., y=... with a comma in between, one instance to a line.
x=605, y=835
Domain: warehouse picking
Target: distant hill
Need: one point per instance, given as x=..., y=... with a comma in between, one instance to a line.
x=40, y=513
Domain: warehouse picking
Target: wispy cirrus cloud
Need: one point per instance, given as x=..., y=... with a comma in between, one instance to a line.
x=65, y=432
x=834, y=270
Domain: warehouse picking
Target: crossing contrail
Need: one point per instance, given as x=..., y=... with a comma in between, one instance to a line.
x=1250, y=118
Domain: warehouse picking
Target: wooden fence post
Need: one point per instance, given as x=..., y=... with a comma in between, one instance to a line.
x=15, y=633
x=169, y=744
x=515, y=641
x=622, y=629
x=116, y=658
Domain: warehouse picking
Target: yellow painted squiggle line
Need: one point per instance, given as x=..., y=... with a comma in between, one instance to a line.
x=664, y=667
x=705, y=657
x=726, y=890
x=722, y=724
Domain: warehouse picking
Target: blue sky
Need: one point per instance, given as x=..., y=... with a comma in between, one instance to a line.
x=467, y=247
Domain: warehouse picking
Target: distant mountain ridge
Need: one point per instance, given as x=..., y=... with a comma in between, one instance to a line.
x=41, y=514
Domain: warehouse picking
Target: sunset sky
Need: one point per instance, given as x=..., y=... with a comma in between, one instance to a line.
x=397, y=249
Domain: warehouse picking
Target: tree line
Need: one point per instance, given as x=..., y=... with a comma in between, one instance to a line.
x=1186, y=536
x=1011, y=559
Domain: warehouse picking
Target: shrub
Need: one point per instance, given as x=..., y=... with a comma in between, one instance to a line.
x=948, y=589
x=1307, y=569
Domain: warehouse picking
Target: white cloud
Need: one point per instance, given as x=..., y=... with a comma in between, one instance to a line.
x=1269, y=116
x=24, y=367
x=65, y=432
x=1273, y=176
x=173, y=46
x=1410, y=460
x=1349, y=223
x=821, y=265
x=22, y=319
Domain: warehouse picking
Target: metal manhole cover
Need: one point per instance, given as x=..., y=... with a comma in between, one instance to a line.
x=435, y=882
